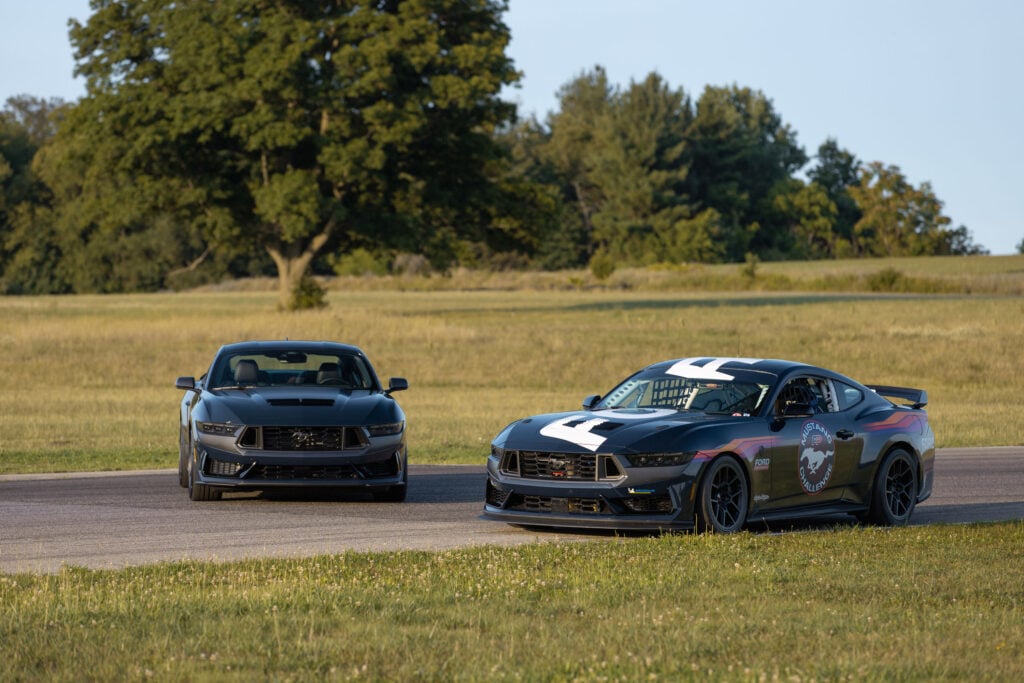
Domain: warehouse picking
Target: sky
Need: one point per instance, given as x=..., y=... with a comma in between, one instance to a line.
x=933, y=87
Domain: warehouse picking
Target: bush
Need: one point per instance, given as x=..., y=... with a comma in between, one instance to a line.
x=887, y=280
x=359, y=262
x=750, y=267
x=602, y=265
x=307, y=294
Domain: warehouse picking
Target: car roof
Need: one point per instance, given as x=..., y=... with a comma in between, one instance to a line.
x=290, y=344
x=774, y=366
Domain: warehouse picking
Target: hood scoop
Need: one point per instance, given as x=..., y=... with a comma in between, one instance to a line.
x=301, y=401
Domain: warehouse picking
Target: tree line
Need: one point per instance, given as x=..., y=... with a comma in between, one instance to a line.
x=288, y=138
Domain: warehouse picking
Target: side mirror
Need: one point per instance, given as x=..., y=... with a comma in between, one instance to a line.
x=590, y=401
x=397, y=384
x=186, y=383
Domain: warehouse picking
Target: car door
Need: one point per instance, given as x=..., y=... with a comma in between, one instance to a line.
x=816, y=453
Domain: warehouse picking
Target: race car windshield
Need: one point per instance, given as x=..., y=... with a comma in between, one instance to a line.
x=659, y=390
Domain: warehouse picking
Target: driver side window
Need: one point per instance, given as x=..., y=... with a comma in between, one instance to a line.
x=810, y=391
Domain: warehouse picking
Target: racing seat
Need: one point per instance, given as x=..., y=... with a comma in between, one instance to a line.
x=246, y=372
x=329, y=373
x=794, y=393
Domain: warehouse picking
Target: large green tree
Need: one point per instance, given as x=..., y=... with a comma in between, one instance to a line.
x=741, y=151
x=898, y=219
x=641, y=163
x=621, y=158
x=291, y=125
x=574, y=136
x=837, y=170
x=29, y=252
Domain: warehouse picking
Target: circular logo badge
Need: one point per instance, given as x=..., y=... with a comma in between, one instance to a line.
x=817, y=456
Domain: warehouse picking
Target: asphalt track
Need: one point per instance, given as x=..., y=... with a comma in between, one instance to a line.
x=110, y=520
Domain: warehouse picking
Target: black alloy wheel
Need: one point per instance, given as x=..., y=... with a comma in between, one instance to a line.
x=895, y=492
x=723, y=499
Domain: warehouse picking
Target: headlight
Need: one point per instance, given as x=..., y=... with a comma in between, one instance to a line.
x=659, y=459
x=386, y=429
x=218, y=428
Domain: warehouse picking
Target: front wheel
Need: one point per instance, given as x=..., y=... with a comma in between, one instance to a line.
x=723, y=498
x=895, y=492
x=393, y=494
x=184, y=452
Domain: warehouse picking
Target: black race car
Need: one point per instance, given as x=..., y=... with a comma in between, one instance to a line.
x=273, y=414
x=715, y=443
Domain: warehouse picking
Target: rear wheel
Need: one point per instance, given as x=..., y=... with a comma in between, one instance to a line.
x=197, y=491
x=895, y=491
x=723, y=498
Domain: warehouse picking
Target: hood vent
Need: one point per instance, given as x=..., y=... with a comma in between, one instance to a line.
x=301, y=401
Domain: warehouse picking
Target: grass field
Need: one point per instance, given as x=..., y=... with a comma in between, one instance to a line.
x=89, y=380
x=88, y=385
x=915, y=604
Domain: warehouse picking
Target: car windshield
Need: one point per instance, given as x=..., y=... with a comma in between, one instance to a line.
x=289, y=368
x=659, y=388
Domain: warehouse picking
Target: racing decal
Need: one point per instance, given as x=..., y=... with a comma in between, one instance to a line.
x=578, y=429
x=688, y=368
x=817, y=456
x=745, y=448
x=897, y=421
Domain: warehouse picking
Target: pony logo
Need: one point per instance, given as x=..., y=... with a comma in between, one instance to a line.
x=817, y=456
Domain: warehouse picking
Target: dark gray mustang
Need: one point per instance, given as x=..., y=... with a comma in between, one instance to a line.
x=272, y=414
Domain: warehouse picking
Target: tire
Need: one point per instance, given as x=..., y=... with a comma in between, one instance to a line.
x=393, y=494
x=723, y=499
x=198, y=491
x=184, y=449
x=895, y=491
x=390, y=494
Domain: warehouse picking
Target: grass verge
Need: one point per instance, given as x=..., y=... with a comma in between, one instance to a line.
x=921, y=603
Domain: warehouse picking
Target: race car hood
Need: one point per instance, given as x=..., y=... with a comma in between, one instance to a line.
x=605, y=431
x=284, y=406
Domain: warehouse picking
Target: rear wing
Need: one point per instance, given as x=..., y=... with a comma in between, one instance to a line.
x=918, y=398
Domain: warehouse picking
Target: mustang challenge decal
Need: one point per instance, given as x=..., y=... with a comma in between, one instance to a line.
x=817, y=456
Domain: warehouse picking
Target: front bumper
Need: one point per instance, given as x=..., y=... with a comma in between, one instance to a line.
x=644, y=500
x=383, y=466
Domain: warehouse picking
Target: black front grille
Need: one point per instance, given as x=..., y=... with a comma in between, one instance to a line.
x=372, y=470
x=648, y=504
x=576, y=506
x=290, y=472
x=567, y=466
x=312, y=438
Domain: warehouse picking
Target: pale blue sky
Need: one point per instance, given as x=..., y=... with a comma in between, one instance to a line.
x=934, y=87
